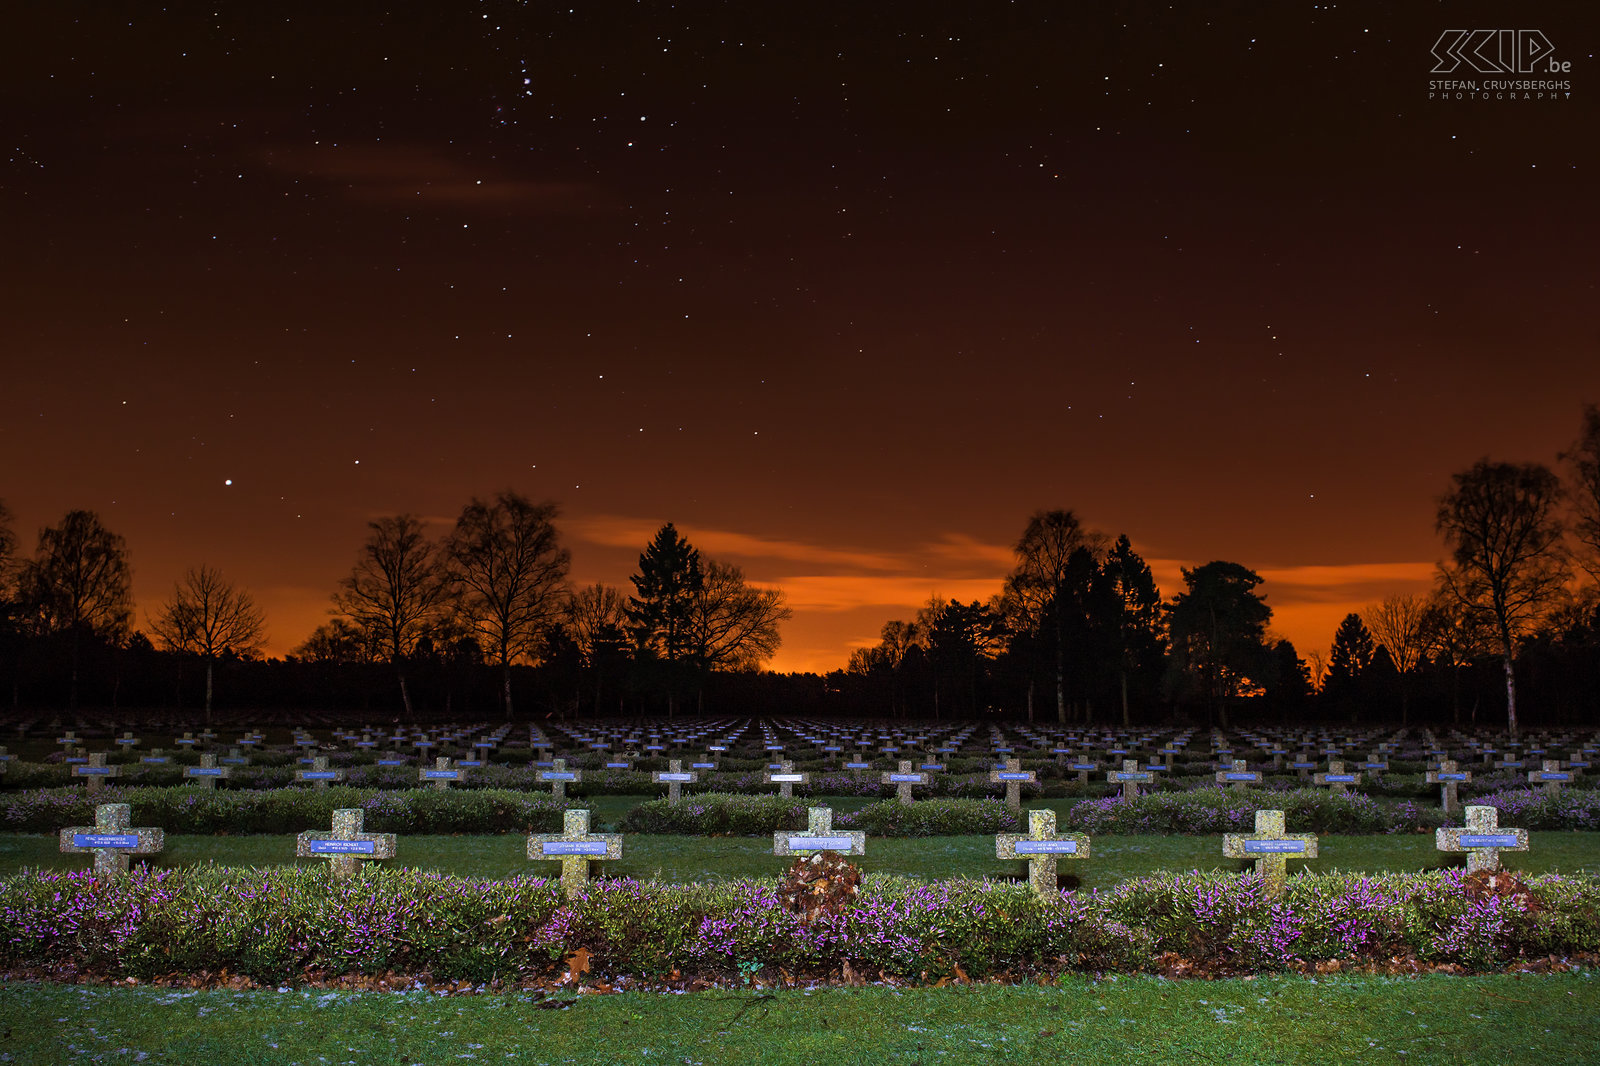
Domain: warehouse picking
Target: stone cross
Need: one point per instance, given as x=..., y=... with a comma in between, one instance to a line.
x=1041, y=847
x=70, y=740
x=208, y=772
x=96, y=771
x=858, y=763
x=111, y=840
x=1270, y=847
x=234, y=758
x=1336, y=779
x=1482, y=839
x=675, y=777
x=1551, y=777
x=558, y=775
x=1083, y=767
x=819, y=836
x=319, y=775
x=188, y=740
x=1239, y=777
x=1376, y=762
x=1129, y=778
x=785, y=778
x=127, y=739
x=347, y=846
x=1447, y=777
x=904, y=779
x=575, y=847
x=1013, y=775
x=441, y=775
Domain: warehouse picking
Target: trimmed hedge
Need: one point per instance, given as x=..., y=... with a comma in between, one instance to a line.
x=294, y=924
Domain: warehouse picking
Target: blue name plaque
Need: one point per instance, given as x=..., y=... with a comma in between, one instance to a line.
x=912, y=779
x=786, y=778
x=819, y=843
x=573, y=847
x=1241, y=777
x=390, y=762
x=203, y=771
x=674, y=777
x=93, y=771
x=618, y=766
x=442, y=775
x=319, y=775
x=1014, y=775
x=341, y=847
x=1489, y=840
x=1548, y=775
x=703, y=765
x=105, y=840
x=1275, y=846
x=1339, y=779
x=557, y=775
x=1451, y=777
x=1047, y=847
x=858, y=766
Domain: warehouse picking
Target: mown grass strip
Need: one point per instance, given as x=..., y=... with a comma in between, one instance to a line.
x=1270, y=1021
x=681, y=860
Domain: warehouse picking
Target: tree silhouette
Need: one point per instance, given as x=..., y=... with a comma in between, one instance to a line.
x=79, y=583
x=733, y=625
x=1037, y=589
x=1217, y=631
x=1348, y=659
x=395, y=592
x=508, y=564
x=660, y=614
x=1398, y=624
x=596, y=621
x=1583, y=463
x=1503, y=528
x=208, y=616
x=1135, y=625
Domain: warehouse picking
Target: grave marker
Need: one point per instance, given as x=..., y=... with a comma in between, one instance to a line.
x=1336, y=779
x=96, y=771
x=819, y=836
x=1013, y=776
x=319, y=775
x=1239, y=777
x=575, y=847
x=1448, y=777
x=111, y=840
x=1129, y=777
x=675, y=777
x=347, y=846
x=208, y=773
x=1041, y=847
x=1271, y=849
x=904, y=779
x=1552, y=777
x=558, y=775
x=785, y=778
x=1481, y=838
x=441, y=775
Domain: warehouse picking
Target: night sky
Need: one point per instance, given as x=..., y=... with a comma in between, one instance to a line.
x=845, y=291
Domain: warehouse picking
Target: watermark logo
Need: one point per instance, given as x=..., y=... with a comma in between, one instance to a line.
x=1497, y=52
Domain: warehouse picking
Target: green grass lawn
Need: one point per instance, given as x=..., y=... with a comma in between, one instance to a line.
x=1270, y=1021
x=685, y=859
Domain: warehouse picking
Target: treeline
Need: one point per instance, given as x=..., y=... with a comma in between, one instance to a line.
x=1078, y=633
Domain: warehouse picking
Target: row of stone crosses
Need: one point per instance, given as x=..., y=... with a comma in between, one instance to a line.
x=111, y=840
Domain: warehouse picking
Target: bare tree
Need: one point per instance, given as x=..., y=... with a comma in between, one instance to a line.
x=1455, y=638
x=733, y=625
x=1583, y=467
x=597, y=620
x=506, y=558
x=396, y=591
x=209, y=616
x=1399, y=624
x=339, y=641
x=79, y=583
x=1502, y=524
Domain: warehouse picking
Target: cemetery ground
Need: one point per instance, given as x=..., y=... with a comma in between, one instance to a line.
x=1012, y=982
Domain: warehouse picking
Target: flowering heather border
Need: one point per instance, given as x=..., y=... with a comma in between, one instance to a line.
x=291, y=925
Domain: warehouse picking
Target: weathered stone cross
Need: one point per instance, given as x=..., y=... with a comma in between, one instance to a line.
x=1014, y=775
x=1239, y=777
x=441, y=775
x=111, y=840
x=1041, y=847
x=819, y=836
x=1447, y=777
x=319, y=775
x=785, y=778
x=1552, y=777
x=1271, y=848
x=575, y=847
x=1336, y=779
x=208, y=772
x=558, y=775
x=96, y=771
x=903, y=780
x=347, y=846
x=674, y=777
x=1481, y=838
x=1129, y=777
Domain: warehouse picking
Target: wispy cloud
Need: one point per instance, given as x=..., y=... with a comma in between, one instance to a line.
x=621, y=532
x=844, y=592
x=402, y=173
